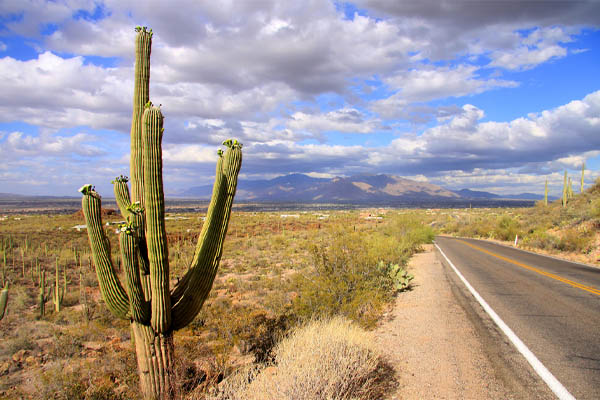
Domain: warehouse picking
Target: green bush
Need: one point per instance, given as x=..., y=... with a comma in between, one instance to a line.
x=507, y=228
x=576, y=240
x=541, y=239
x=345, y=280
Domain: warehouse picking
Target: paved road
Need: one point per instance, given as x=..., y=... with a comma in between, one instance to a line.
x=553, y=306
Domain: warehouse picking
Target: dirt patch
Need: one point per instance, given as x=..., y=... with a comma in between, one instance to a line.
x=432, y=344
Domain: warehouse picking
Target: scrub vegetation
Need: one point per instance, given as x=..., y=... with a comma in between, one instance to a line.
x=570, y=228
x=278, y=273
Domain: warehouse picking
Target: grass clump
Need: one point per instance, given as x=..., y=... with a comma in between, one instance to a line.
x=324, y=359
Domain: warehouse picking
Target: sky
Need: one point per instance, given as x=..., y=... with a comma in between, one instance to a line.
x=495, y=95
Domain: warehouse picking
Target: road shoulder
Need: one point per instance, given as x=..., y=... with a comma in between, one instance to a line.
x=436, y=347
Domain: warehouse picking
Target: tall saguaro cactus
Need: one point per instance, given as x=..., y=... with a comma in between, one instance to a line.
x=153, y=308
x=546, y=193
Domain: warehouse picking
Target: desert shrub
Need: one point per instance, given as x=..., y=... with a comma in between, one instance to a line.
x=541, y=239
x=345, y=280
x=507, y=228
x=324, y=359
x=595, y=209
x=576, y=240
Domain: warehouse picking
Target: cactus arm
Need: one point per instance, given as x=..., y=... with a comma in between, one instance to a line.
x=140, y=98
x=191, y=292
x=112, y=291
x=122, y=195
x=3, y=300
x=156, y=235
x=139, y=307
x=134, y=213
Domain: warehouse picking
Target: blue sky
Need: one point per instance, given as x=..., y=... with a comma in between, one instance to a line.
x=488, y=95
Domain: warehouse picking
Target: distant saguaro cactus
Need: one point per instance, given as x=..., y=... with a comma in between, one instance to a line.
x=565, y=192
x=154, y=310
x=582, y=175
x=546, y=193
x=570, y=189
x=3, y=300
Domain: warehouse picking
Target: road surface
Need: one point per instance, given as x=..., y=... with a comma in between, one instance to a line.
x=553, y=306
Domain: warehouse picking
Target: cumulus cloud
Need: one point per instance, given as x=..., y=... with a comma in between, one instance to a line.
x=424, y=84
x=538, y=47
x=348, y=120
x=51, y=91
x=465, y=143
x=274, y=74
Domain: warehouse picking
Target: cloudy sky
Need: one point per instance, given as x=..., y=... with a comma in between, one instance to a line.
x=495, y=95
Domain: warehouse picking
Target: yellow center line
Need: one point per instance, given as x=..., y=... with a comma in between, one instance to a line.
x=578, y=285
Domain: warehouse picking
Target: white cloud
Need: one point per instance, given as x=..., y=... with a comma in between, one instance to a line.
x=464, y=143
x=17, y=144
x=427, y=83
x=51, y=91
x=263, y=72
x=347, y=120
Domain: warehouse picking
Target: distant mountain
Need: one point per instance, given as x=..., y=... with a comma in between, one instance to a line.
x=528, y=196
x=299, y=188
x=475, y=194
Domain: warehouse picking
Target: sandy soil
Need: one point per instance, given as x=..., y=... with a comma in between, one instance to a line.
x=432, y=344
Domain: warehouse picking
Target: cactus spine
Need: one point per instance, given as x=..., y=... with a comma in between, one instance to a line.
x=3, y=300
x=153, y=308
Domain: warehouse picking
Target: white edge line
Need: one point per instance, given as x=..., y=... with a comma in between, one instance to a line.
x=559, y=390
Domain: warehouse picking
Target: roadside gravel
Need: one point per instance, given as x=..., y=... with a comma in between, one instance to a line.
x=435, y=349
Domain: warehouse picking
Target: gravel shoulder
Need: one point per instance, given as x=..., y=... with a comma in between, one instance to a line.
x=440, y=350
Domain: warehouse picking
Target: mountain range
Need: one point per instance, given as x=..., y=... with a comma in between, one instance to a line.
x=381, y=189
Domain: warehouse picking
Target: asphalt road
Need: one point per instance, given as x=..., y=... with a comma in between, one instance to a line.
x=553, y=306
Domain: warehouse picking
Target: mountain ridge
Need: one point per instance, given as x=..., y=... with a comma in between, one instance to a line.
x=373, y=188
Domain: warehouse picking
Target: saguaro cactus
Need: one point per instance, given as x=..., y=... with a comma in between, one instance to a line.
x=58, y=292
x=565, y=191
x=582, y=175
x=3, y=300
x=546, y=193
x=153, y=308
x=44, y=296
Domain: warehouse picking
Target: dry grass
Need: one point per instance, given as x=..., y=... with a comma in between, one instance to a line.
x=330, y=359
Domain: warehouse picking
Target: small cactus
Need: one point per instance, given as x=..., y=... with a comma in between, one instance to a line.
x=58, y=293
x=3, y=300
x=400, y=277
x=43, y=296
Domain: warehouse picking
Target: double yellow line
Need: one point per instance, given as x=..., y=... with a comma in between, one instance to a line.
x=578, y=285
